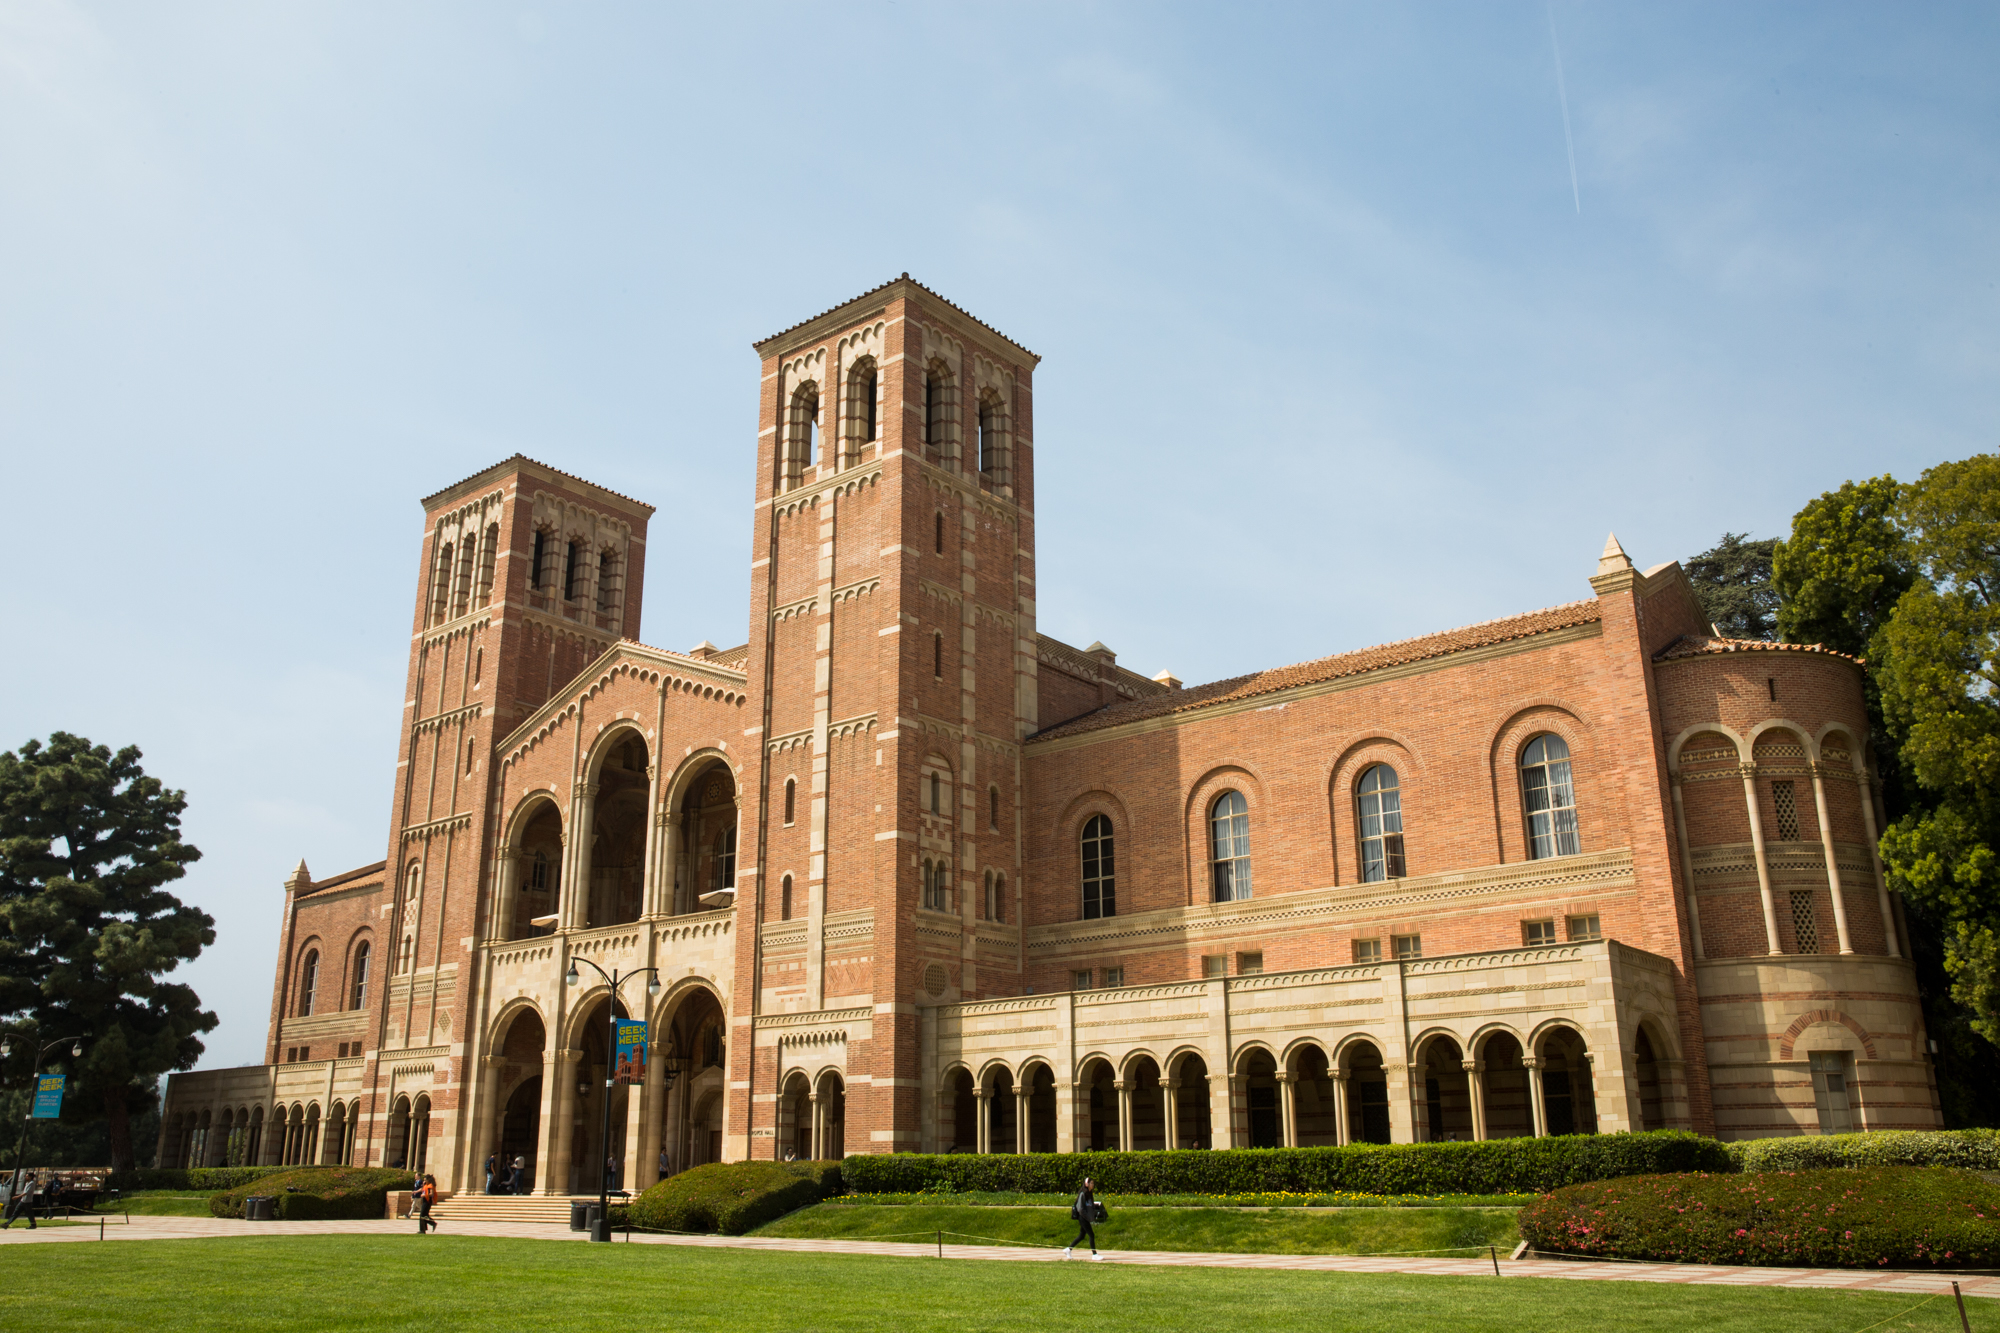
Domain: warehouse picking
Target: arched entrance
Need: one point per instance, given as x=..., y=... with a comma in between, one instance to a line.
x=795, y=1113
x=1000, y=1110
x=1647, y=1080
x=1041, y=1084
x=1447, y=1100
x=336, y=1135
x=589, y=1152
x=618, y=835
x=1367, y=1092
x=1315, y=1123
x=691, y=1113
x=518, y=1130
x=1099, y=1111
x=1568, y=1104
x=1260, y=1100
x=1504, y=1080
x=833, y=1117
x=1149, y=1112
x=1191, y=1115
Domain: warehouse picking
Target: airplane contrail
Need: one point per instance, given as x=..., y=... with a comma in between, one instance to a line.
x=1562, y=92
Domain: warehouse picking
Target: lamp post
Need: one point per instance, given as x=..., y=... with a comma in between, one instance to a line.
x=601, y=1228
x=21, y=1147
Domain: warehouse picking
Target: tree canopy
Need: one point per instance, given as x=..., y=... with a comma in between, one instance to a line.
x=88, y=843
x=1733, y=581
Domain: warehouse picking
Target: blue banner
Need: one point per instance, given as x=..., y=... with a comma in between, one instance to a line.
x=630, y=1064
x=48, y=1097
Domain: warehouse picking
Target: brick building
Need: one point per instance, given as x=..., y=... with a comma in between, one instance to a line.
x=915, y=876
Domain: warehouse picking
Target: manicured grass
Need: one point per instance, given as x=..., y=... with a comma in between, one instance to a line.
x=278, y=1284
x=991, y=1199
x=160, y=1203
x=1226, y=1230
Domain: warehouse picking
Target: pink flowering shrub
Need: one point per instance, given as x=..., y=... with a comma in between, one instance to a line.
x=1874, y=1217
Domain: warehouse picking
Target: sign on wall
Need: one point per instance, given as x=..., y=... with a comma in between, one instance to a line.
x=48, y=1097
x=629, y=1065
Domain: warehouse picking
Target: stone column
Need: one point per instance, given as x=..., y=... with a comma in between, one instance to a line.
x=1124, y=1087
x=818, y=1126
x=506, y=883
x=486, y=1114
x=1475, y=1085
x=982, y=1119
x=1288, y=1110
x=1021, y=1096
x=1864, y=786
x=558, y=1109
x=645, y=1167
x=1221, y=1111
x=576, y=897
x=1749, y=774
x=1687, y=866
x=1537, y=1111
x=667, y=870
x=1341, y=1134
x=1826, y=845
x=1066, y=1112
x=1170, y=1111
x=1402, y=1110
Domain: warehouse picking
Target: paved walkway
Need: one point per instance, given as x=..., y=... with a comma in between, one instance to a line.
x=1918, y=1283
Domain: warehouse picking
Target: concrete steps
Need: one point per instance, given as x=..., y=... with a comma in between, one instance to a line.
x=533, y=1208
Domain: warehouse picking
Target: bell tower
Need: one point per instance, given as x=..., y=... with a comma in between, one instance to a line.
x=892, y=675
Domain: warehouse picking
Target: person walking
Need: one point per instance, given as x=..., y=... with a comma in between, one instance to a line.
x=1086, y=1211
x=520, y=1174
x=427, y=1193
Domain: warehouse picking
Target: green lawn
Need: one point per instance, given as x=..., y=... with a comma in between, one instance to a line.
x=276, y=1284
x=1231, y=1230
x=161, y=1203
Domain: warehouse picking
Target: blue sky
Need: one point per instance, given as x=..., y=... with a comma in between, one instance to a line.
x=1331, y=355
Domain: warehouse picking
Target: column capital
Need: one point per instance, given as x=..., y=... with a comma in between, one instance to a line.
x=1473, y=1066
x=1122, y=1085
x=1284, y=1076
x=493, y=1061
x=1746, y=771
x=1530, y=1062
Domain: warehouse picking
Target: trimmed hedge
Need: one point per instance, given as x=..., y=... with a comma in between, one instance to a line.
x=1496, y=1166
x=1871, y=1217
x=190, y=1178
x=314, y=1193
x=1966, y=1149
x=733, y=1197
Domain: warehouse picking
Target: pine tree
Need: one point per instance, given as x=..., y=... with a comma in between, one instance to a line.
x=88, y=843
x=1733, y=581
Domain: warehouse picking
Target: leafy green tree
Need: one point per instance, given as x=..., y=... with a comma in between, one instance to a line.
x=1938, y=676
x=1733, y=581
x=88, y=843
x=1839, y=575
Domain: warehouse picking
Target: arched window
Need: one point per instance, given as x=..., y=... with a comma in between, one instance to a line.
x=308, y=983
x=937, y=886
x=538, y=873
x=489, y=552
x=1550, y=798
x=940, y=414
x=414, y=882
x=572, y=568
x=538, y=561
x=360, y=990
x=607, y=581
x=441, y=586
x=785, y=899
x=799, y=441
x=791, y=796
x=862, y=411
x=996, y=896
x=1229, y=846
x=1100, y=869
x=989, y=436
x=1378, y=801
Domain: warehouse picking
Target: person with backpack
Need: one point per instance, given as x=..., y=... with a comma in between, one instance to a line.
x=427, y=1193
x=1086, y=1210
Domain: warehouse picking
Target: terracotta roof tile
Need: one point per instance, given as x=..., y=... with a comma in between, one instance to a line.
x=346, y=878
x=884, y=287
x=1354, y=663
x=1704, y=645
x=523, y=458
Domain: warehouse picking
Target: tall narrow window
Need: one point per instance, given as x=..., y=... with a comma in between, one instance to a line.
x=799, y=443
x=933, y=409
x=1785, y=800
x=996, y=905
x=308, y=984
x=785, y=899
x=414, y=885
x=1805, y=926
x=538, y=564
x=441, y=585
x=571, y=568
x=993, y=808
x=478, y=664
x=360, y=995
x=471, y=753
x=1100, y=869
x=725, y=859
x=940, y=534
x=1550, y=798
x=937, y=794
x=937, y=886
x=1229, y=847
x=1831, y=1071
x=607, y=581
x=791, y=795
x=865, y=386
x=489, y=552
x=1379, y=800
x=989, y=439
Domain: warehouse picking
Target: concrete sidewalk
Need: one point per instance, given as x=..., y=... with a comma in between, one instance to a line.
x=202, y=1228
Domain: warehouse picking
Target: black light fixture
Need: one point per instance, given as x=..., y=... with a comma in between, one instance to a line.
x=571, y=978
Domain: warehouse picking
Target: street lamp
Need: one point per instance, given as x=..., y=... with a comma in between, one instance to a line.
x=21, y=1148
x=601, y=1228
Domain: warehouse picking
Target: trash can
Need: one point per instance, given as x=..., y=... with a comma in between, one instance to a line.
x=260, y=1208
x=580, y=1214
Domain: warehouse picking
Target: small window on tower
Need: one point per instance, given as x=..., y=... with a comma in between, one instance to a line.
x=572, y=566
x=478, y=664
x=937, y=656
x=1785, y=800
x=607, y=582
x=785, y=899
x=791, y=795
x=993, y=808
x=940, y=534
x=471, y=753
x=538, y=567
x=937, y=794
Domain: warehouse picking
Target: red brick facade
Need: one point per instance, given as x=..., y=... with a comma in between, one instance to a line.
x=843, y=845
